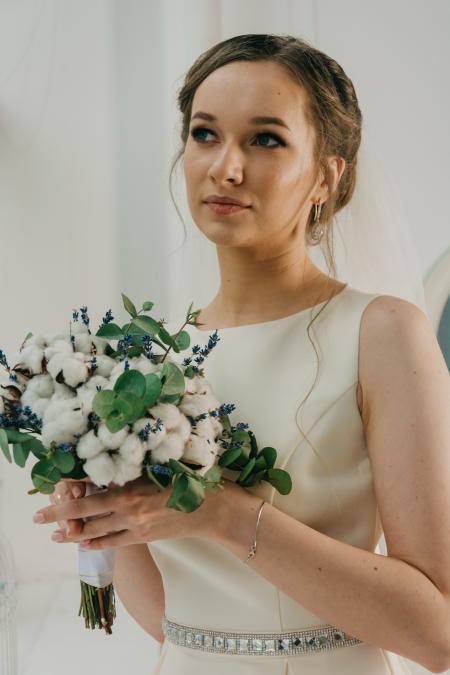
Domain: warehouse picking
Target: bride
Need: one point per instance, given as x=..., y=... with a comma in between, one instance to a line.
x=261, y=583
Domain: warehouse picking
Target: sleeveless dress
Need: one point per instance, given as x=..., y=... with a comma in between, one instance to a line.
x=266, y=369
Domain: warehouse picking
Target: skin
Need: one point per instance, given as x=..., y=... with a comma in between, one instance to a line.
x=264, y=267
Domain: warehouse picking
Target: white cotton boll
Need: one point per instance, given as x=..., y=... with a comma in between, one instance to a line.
x=133, y=449
x=65, y=428
x=41, y=385
x=31, y=356
x=217, y=426
x=170, y=448
x=204, y=428
x=83, y=343
x=203, y=386
x=59, y=406
x=55, y=364
x=105, y=364
x=2, y=406
x=199, y=450
x=191, y=404
x=140, y=424
x=86, y=397
x=169, y=414
x=40, y=341
x=75, y=371
x=110, y=440
x=62, y=392
x=77, y=327
x=144, y=365
x=101, y=469
x=93, y=381
x=125, y=470
x=100, y=343
x=39, y=406
x=184, y=429
x=61, y=347
x=190, y=386
x=155, y=437
x=89, y=445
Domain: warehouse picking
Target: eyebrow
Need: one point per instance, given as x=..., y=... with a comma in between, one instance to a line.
x=260, y=119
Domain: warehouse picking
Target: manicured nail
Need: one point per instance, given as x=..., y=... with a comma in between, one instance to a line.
x=38, y=518
x=76, y=491
x=85, y=544
x=57, y=536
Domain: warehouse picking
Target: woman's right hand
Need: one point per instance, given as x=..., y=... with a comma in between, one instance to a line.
x=65, y=490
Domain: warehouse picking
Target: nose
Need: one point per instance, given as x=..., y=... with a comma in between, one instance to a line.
x=227, y=167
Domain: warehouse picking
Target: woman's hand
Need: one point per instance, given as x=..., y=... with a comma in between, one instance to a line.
x=137, y=513
x=65, y=490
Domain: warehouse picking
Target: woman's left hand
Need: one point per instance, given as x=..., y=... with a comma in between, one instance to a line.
x=137, y=513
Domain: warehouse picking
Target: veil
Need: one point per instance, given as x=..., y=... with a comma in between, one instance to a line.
x=372, y=242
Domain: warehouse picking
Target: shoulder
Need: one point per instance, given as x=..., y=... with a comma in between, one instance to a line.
x=393, y=332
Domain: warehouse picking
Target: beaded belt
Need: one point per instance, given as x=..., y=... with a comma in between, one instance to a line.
x=320, y=638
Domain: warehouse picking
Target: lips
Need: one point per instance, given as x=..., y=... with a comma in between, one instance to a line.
x=218, y=199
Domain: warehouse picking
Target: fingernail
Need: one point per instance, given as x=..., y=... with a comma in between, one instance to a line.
x=38, y=518
x=76, y=491
x=57, y=536
x=85, y=544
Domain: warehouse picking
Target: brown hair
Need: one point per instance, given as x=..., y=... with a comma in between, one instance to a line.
x=332, y=110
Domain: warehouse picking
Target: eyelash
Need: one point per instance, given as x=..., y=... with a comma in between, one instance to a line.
x=280, y=142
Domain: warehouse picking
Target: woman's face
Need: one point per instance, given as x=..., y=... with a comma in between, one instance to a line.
x=266, y=165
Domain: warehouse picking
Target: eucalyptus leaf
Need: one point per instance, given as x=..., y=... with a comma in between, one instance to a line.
x=187, y=494
x=172, y=379
x=65, y=461
x=168, y=339
x=147, y=305
x=115, y=421
x=280, y=480
x=4, y=445
x=147, y=324
x=246, y=470
x=229, y=456
x=110, y=331
x=20, y=454
x=131, y=309
x=131, y=381
x=15, y=436
x=270, y=455
x=45, y=475
x=36, y=447
x=183, y=340
x=103, y=402
x=153, y=389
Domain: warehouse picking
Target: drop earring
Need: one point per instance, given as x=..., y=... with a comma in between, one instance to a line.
x=317, y=229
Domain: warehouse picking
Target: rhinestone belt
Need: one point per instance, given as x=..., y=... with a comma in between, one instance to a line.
x=318, y=639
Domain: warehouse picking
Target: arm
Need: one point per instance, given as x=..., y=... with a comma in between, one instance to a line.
x=398, y=602
x=138, y=583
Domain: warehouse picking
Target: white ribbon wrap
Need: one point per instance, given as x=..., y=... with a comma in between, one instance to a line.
x=96, y=568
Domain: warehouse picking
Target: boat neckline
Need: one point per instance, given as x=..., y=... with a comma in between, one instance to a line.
x=271, y=321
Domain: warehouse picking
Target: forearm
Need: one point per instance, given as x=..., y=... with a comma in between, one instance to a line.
x=138, y=583
x=380, y=600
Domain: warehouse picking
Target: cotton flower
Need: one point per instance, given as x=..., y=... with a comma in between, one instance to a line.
x=101, y=469
x=133, y=449
x=63, y=422
x=200, y=450
x=184, y=428
x=168, y=412
x=170, y=448
x=89, y=445
x=111, y=440
x=73, y=368
x=156, y=437
x=31, y=357
x=83, y=343
x=62, y=391
x=191, y=404
x=100, y=344
x=105, y=364
x=40, y=385
x=58, y=347
x=124, y=470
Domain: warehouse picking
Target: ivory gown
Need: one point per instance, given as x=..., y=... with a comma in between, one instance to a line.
x=266, y=369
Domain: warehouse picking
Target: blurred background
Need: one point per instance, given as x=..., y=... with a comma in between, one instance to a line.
x=88, y=128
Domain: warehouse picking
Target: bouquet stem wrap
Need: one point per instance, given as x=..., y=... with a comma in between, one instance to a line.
x=96, y=570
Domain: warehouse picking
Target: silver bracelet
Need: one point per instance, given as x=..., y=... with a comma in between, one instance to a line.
x=252, y=551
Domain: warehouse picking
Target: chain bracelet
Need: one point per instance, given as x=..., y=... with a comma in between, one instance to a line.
x=252, y=551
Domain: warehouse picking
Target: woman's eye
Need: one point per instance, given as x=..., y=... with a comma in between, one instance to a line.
x=279, y=142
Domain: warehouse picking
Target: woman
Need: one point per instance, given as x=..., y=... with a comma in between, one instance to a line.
x=371, y=452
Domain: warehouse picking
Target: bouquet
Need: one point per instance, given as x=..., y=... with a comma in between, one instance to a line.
x=111, y=408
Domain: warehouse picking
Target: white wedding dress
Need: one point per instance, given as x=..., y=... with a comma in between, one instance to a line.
x=266, y=369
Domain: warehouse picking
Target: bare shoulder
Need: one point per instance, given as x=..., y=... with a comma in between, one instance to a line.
x=389, y=326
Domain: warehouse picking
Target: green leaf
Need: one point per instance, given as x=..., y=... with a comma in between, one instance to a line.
x=131, y=309
x=270, y=455
x=183, y=340
x=65, y=461
x=131, y=382
x=172, y=379
x=45, y=475
x=260, y=463
x=187, y=495
x=148, y=325
x=147, y=305
x=103, y=402
x=168, y=339
x=214, y=474
x=15, y=436
x=179, y=467
x=229, y=456
x=246, y=470
x=36, y=447
x=20, y=454
x=115, y=421
x=253, y=479
x=111, y=331
x=280, y=480
x=153, y=389
x=253, y=444
x=4, y=445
